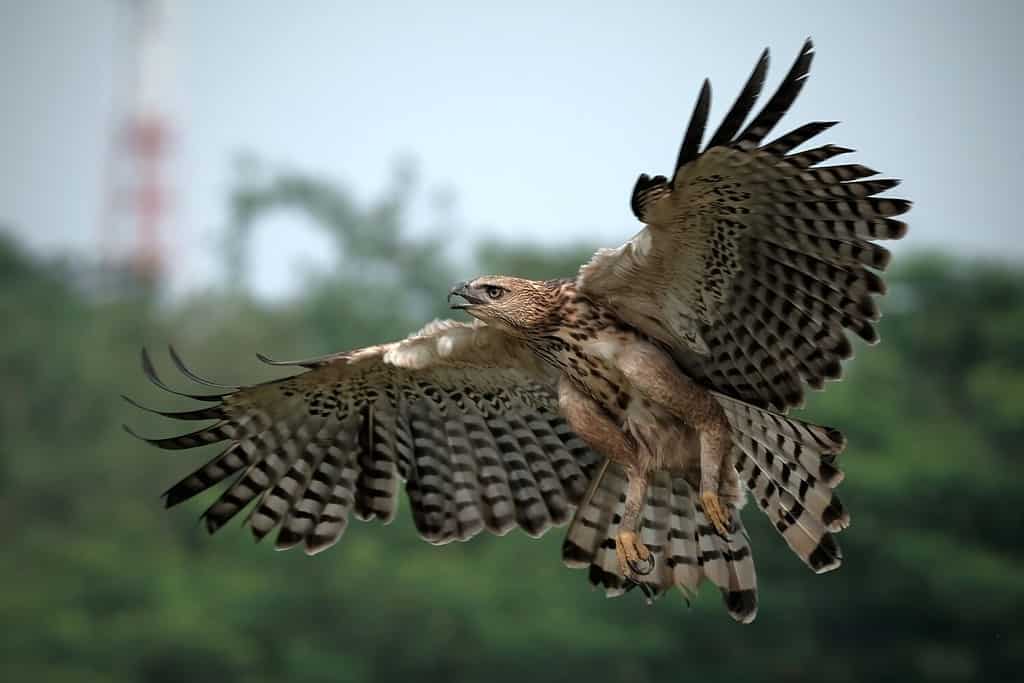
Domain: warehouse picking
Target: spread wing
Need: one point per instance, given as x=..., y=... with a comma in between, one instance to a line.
x=755, y=260
x=459, y=411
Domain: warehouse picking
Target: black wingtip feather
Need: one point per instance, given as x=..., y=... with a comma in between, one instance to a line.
x=743, y=105
x=897, y=229
x=690, y=147
x=794, y=138
x=200, y=437
x=212, y=413
x=307, y=363
x=175, y=496
x=149, y=370
x=184, y=369
x=211, y=525
x=894, y=207
x=780, y=102
x=270, y=361
x=867, y=332
x=875, y=284
x=742, y=604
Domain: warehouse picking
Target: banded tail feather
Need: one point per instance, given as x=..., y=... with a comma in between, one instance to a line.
x=685, y=546
x=789, y=468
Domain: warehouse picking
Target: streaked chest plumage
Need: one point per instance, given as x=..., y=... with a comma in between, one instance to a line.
x=585, y=348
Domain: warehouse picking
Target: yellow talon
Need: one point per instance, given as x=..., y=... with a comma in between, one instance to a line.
x=635, y=560
x=715, y=513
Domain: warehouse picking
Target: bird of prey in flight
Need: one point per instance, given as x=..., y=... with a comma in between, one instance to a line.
x=641, y=401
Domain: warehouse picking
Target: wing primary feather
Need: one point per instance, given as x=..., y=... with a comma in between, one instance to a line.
x=305, y=363
x=744, y=103
x=200, y=437
x=211, y=413
x=150, y=371
x=817, y=155
x=690, y=148
x=230, y=460
x=794, y=138
x=180, y=364
x=780, y=101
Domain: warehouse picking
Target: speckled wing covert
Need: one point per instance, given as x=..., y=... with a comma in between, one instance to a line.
x=459, y=411
x=755, y=259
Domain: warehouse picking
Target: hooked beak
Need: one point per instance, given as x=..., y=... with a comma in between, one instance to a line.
x=466, y=298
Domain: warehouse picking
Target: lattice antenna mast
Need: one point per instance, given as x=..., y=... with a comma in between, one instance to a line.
x=133, y=229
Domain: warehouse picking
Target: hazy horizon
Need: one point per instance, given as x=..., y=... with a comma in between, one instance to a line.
x=536, y=118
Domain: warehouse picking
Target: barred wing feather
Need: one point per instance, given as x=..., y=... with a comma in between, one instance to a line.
x=458, y=411
x=755, y=261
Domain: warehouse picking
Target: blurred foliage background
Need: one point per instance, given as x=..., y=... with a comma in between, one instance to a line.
x=101, y=584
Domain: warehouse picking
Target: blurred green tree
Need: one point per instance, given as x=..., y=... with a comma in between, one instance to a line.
x=103, y=585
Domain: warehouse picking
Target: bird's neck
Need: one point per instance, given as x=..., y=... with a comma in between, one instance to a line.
x=572, y=318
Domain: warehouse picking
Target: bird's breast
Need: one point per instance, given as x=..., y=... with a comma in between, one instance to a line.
x=590, y=362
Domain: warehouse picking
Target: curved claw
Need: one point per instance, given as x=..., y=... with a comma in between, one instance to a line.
x=643, y=567
x=716, y=513
x=649, y=593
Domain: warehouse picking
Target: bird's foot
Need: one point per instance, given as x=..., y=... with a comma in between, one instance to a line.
x=635, y=560
x=716, y=514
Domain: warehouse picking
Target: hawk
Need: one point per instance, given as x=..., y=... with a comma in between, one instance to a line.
x=641, y=401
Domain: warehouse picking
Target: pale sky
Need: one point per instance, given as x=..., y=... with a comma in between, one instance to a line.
x=538, y=116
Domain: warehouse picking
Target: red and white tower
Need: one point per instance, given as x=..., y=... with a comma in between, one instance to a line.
x=138, y=205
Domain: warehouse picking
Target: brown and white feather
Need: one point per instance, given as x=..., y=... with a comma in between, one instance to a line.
x=461, y=412
x=754, y=262
x=754, y=265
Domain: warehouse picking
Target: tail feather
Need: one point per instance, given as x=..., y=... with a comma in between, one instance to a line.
x=816, y=496
x=657, y=524
x=787, y=465
x=710, y=546
x=741, y=596
x=685, y=545
x=809, y=447
x=683, y=557
x=789, y=468
x=806, y=536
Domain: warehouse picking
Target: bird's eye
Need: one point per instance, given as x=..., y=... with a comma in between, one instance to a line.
x=494, y=293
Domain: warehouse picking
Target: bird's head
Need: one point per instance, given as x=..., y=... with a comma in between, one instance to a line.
x=516, y=305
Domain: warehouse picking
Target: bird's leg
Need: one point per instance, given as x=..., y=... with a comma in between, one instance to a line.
x=634, y=557
x=659, y=379
x=715, y=443
x=593, y=425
